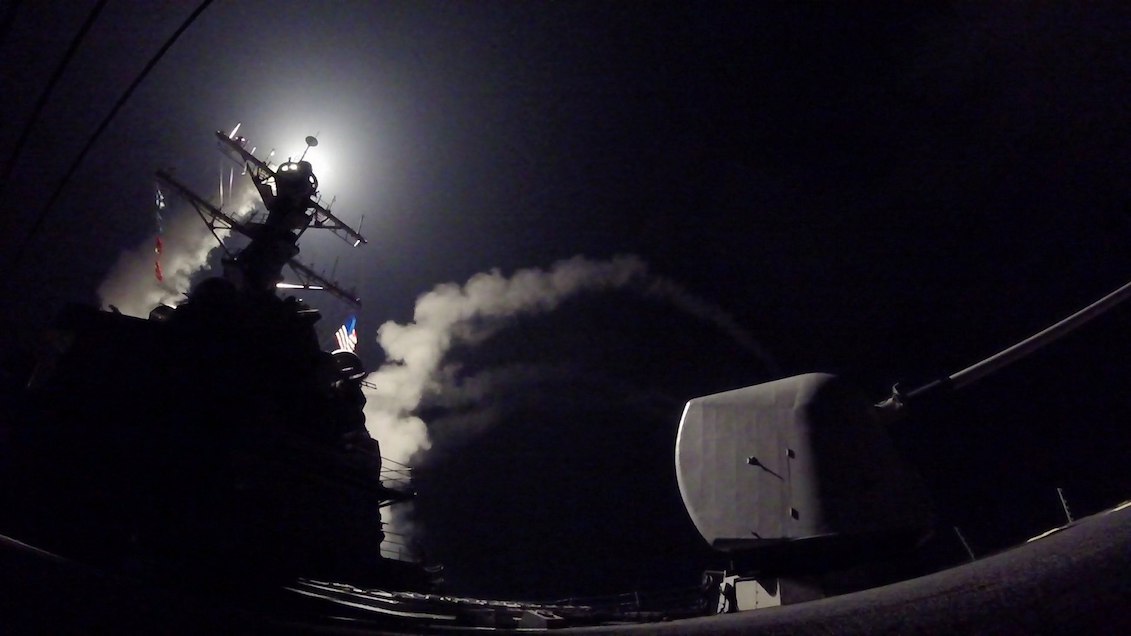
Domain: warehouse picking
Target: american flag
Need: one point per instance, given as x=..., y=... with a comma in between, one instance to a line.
x=347, y=335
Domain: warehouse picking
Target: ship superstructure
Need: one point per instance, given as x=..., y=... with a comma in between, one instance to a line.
x=215, y=437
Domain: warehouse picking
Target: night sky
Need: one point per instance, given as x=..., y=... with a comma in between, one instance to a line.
x=886, y=192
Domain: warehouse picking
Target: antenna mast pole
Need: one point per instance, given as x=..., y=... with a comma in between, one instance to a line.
x=899, y=399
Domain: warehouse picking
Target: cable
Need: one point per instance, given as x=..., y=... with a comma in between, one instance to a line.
x=42, y=216
x=50, y=88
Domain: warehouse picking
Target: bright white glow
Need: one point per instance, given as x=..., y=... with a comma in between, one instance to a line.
x=1125, y=504
x=297, y=286
x=1045, y=534
x=320, y=158
x=233, y=135
x=335, y=161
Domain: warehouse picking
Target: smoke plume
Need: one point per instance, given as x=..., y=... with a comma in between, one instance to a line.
x=451, y=314
x=131, y=285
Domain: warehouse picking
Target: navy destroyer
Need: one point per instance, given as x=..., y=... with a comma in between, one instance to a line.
x=216, y=437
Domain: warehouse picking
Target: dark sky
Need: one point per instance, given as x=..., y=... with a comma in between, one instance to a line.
x=888, y=192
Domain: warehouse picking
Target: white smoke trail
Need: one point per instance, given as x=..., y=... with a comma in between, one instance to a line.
x=450, y=314
x=131, y=285
x=671, y=292
x=474, y=402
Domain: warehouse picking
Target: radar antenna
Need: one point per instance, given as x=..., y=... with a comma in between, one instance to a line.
x=289, y=193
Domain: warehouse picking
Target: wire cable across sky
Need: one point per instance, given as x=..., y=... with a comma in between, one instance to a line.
x=49, y=89
x=37, y=222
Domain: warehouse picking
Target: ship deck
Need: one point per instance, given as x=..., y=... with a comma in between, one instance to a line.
x=1075, y=580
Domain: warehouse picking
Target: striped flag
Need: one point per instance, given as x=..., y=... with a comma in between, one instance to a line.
x=347, y=335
